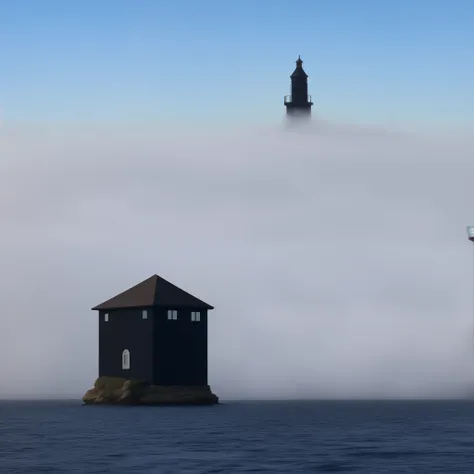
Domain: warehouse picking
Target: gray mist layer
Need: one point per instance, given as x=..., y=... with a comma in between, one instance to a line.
x=335, y=256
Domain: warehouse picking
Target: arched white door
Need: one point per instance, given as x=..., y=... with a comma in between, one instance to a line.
x=126, y=359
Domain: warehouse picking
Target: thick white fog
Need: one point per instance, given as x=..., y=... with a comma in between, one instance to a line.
x=335, y=257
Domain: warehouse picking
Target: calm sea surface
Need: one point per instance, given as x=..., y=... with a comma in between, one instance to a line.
x=274, y=437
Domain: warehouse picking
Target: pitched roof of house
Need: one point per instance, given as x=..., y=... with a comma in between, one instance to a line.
x=154, y=291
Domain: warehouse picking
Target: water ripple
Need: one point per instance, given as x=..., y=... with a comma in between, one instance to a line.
x=273, y=437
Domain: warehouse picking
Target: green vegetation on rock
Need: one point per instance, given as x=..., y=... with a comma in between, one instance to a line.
x=117, y=390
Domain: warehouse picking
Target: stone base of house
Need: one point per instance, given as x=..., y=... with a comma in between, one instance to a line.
x=120, y=391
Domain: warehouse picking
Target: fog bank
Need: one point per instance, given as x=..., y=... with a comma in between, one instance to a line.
x=335, y=256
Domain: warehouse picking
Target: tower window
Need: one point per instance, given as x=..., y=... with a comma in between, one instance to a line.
x=172, y=314
x=126, y=359
x=106, y=317
x=195, y=316
x=144, y=314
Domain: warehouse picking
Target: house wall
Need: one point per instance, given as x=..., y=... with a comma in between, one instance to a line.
x=126, y=330
x=180, y=348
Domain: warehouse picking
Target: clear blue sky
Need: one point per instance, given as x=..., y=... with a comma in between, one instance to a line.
x=218, y=60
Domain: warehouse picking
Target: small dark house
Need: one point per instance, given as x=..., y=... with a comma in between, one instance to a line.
x=298, y=104
x=154, y=331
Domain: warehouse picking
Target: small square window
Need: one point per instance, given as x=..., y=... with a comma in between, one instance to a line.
x=144, y=314
x=172, y=314
x=195, y=316
x=106, y=317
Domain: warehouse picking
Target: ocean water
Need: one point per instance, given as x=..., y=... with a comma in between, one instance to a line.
x=274, y=437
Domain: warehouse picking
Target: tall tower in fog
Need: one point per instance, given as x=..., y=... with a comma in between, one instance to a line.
x=298, y=104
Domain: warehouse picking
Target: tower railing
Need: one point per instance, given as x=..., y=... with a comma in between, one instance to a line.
x=289, y=99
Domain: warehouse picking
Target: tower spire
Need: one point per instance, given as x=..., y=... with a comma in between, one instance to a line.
x=298, y=104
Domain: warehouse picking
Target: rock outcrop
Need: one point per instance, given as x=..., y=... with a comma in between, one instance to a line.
x=120, y=391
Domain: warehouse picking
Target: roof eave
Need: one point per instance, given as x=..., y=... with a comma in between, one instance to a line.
x=103, y=308
x=191, y=306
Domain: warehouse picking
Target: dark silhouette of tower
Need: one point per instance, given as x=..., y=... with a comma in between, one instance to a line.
x=298, y=104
